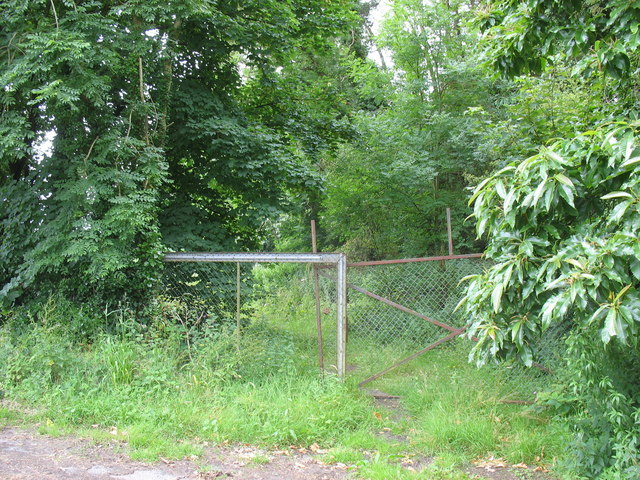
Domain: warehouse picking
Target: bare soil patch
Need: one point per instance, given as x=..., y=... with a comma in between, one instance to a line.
x=26, y=455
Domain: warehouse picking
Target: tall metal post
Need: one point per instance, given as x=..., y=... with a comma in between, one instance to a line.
x=316, y=289
x=341, y=287
x=449, y=234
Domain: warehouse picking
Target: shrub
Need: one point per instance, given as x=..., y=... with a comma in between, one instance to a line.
x=563, y=231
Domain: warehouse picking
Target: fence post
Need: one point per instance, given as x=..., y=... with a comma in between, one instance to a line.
x=341, y=287
x=316, y=290
x=238, y=306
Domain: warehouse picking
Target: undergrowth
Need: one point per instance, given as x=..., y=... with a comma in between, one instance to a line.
x=163, y=389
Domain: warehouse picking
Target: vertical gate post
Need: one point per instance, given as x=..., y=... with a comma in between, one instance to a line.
x=449, y=235
x=341, y=347
x=238, y=306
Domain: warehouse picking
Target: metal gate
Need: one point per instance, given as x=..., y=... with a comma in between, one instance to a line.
x=209, y=290
x=400, y=309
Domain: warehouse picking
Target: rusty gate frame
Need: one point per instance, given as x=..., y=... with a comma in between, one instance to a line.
x=453, y=331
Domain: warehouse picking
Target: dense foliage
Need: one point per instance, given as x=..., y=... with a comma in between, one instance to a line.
x=388, y=190
x=128, y=128
x=125, y=129
x=562, y=224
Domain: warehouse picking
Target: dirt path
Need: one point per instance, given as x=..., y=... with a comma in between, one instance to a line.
x=26, y=455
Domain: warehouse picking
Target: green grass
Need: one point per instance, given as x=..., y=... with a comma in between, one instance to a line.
x=259, y=460
x=161, y=397
x=456, y=410
x=8, y=416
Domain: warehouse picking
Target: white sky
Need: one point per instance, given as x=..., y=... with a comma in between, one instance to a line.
x=376, y=16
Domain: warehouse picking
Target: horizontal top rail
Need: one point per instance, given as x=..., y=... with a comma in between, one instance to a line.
x=253, y=257
x=410, y=260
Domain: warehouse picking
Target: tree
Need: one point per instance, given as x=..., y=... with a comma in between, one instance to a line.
x=414, y=155
x=600, y=35
x=152, y=142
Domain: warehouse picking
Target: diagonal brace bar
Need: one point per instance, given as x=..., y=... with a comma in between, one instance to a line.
x=404, y=309
x=451, y=336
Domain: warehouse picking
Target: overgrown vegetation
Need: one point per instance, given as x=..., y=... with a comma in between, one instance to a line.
x=129, y=128
x=563, y=228
x=143, y=384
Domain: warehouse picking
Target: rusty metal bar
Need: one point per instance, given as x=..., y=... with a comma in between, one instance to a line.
x=316, y=290
x=449, y=234
x=238, y=284
x=412, y=260
x=411, y=357
x=404, y=309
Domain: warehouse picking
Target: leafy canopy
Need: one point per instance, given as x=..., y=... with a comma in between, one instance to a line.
x=152, y=142
x=564, y=235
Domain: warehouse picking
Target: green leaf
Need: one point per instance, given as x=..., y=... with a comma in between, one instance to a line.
x=564, y=179
x=479, y=189
x=526, y=356
x=611, y=195
x=634, y=266
x=549, y=310
x=538, y=192
x=597, y=313
x=506, y=277
x=567, y=193
x=553, y=155
x=631, y=161
x=575, y=263
x=496, y=297
x=619, y=211
x=621, y=293
x=613, y=327
x=508, y=201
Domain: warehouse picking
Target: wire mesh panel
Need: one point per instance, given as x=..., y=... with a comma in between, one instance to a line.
x=266, y=308
x=398, y=311
x=208, y=291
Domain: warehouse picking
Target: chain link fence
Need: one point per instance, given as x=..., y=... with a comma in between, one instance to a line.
x=403, y=315
x=401, y=319
x=266, y=312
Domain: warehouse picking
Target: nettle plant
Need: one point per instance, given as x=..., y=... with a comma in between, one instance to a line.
x=562, y=229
